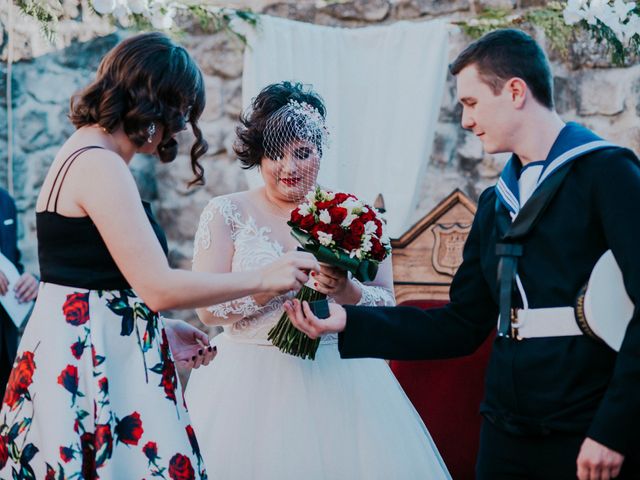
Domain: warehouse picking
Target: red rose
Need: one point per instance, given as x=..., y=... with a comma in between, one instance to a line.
x=103, y=444
x=335, y=231
x=192, y=440
x=169, y=379
x=77, y=349
x=66, y=454
x=129, y=429
x=103, y=383
x=88, y=455
x=295, y=216
x=325, y=205
x=357, y=227
x=180, y=468
x=341, y=197
x=68, y=378
x=20, y=379
x=307, y=222
x=150, y=451
x=4, y=451
x=76, y=308
x=377, y=250
x=378, y=227
x=97, y=359
x=367, y=216
x=351, y=241
x=51, y=473
x=338, y=214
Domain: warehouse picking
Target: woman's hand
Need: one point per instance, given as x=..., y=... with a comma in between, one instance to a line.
x=190, y=346
x=287, y=273
x=335, y=282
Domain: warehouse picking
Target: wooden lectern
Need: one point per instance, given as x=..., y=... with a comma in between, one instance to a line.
x=446, y=393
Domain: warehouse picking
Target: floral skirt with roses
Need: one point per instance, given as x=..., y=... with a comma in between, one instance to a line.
x=94, y=394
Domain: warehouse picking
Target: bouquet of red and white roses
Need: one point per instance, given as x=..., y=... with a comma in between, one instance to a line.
x=340, y=230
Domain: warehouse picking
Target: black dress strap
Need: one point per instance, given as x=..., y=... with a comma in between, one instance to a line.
x=67, y=163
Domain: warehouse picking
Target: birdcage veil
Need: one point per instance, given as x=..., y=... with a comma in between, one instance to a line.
x=295, y=137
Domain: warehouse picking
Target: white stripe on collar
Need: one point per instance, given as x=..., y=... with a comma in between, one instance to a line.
x=507, y=195
x=570, y=154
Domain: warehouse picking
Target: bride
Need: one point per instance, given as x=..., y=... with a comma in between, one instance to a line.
x=259, y=413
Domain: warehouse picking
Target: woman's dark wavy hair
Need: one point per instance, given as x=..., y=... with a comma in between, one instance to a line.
x=249, y=145
x=146, y=78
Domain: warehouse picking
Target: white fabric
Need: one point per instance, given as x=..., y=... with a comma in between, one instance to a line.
x=91, y=366
x=607, y=306
x=382, y=86
x=528, y=182
x=261, y=414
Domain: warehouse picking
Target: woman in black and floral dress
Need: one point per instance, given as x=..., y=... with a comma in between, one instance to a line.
x=94, y=391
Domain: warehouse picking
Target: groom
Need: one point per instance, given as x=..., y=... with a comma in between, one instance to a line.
x=556, y=404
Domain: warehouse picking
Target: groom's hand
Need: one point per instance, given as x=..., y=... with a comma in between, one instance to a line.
x=597, y=462
x=304, y=320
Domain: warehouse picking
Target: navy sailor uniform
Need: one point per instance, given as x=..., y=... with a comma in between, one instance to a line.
x=537, y=386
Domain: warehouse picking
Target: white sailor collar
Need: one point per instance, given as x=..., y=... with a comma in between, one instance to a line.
x=573, y=141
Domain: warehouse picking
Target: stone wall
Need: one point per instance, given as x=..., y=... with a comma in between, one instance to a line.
x=44, y=76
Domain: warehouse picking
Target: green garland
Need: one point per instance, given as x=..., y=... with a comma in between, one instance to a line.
x=558, y=33
x=45, y=12
x=48, y=12
x=620, y=54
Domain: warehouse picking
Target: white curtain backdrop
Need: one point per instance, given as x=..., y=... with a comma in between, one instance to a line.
x=382, y=87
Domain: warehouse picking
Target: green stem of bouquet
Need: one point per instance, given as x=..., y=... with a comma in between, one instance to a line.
x=291, y=340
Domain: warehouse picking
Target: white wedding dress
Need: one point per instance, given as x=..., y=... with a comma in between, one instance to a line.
x=264, y=415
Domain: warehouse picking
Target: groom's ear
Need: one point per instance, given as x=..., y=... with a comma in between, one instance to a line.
x=517, y=90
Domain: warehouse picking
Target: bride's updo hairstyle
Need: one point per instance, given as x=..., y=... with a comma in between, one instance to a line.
x=146, y=81
x=249, y=145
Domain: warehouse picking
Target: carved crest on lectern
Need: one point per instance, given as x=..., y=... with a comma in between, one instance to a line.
x=449, y=242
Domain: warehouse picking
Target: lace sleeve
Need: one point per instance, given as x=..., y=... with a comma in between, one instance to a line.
x=243, y=307
x=379, y=293
x=218, y=225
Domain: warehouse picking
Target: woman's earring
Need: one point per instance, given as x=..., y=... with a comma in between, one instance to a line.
x=151, y=131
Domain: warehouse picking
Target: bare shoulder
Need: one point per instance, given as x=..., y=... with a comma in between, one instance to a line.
x=101, y=163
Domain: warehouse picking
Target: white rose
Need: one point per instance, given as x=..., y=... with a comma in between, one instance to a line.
x=370, y=227
x=597, y=10
x=138, y=6
x=104, y=7
x=122, y=13
x=162, y=21
x=304, y=209
x=324, y=216
x=622, y=9
x=325, y=238
x=631, y=29
x=348, y=219
x=574, y=12
x=311, y=196
x=351, y=204
x=366, y=243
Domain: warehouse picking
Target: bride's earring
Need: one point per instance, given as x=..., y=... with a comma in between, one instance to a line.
x=151, y=131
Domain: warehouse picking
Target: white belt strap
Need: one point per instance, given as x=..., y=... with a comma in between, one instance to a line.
x=545, y=322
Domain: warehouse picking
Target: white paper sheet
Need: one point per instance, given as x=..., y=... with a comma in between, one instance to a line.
x=16, y=310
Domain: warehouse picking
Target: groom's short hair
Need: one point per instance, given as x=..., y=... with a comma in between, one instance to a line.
x=507, y=53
